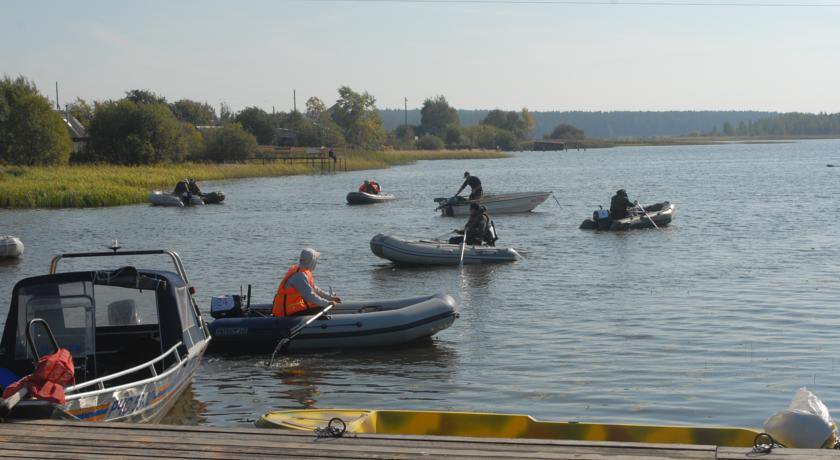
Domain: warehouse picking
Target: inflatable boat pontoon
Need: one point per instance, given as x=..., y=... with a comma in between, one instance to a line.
x=433, y=252
x=368, y=198
x=660, y=213
x=348, y=325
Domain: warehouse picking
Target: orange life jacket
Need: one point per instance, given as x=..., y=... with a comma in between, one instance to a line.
x=374, y=186
x=288, y=301
x=363, y=188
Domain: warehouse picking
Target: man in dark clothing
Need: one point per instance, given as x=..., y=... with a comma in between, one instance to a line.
x=619, y=204
x=180, y=188
x=477, y=227
x=475, y=186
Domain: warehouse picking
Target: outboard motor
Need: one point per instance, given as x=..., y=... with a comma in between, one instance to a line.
x=492, y=236
x=601, y=218
x=229, y=306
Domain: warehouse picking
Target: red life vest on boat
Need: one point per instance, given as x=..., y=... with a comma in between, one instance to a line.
x=52, y=373
x=374, y=187
x=288, y=301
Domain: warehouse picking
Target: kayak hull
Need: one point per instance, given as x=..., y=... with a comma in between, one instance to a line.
x=429, y=252
x=349, y=325
x=368, y=198
x=504, y=203
x=661, y=213
x=488, y=425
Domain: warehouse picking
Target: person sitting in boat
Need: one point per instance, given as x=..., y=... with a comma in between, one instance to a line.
x=297, y=293
x=181, y=188
x=192, y=186
x=370, y=186
x=620, y=205
x=475, y=186
x=478, y=229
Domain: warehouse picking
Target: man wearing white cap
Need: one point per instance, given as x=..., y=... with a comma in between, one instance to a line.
x=297, y=293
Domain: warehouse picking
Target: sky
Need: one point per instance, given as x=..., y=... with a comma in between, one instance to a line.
x=479, y=55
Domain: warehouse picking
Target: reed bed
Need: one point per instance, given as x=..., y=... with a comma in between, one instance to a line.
x=81, y=186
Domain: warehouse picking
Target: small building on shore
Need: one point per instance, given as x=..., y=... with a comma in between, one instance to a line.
x=77, y=131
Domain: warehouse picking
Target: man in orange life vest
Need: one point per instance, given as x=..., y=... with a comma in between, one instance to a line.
x=370, y=186
x=297, y=293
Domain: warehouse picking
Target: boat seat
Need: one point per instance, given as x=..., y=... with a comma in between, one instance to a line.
x=123, y=313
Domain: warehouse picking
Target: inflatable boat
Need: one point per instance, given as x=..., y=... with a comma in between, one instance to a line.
x=213, y=197
x=368, y=198
x=433, y=252
x=160, y=198
x=503, y=203
x=660, y=213
x=10, y=247
x=252, y=329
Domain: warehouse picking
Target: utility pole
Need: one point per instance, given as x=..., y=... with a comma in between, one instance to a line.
x=57, y=106
x=406, y=112
x=294, y=99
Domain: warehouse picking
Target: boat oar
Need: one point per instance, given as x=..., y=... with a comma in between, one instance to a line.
x=283, y=344
x=463, y=246
x=648, y=216
x=556, y=200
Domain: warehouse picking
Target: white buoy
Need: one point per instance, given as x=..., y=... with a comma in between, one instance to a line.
x=10, y=247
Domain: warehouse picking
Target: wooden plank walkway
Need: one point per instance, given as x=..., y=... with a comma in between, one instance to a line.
x=53, y=439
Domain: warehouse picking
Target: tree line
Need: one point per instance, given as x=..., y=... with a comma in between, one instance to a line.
x=783, y=125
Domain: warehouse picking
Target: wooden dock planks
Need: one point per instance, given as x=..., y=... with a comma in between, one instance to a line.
x=53, y=439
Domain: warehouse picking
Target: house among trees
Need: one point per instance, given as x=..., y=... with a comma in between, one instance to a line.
x=78, y=133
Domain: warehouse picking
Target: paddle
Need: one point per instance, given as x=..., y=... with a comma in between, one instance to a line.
x=463, y=246
x=648, y=216
x=556, y=200
x=283, y=344
x=7, y=404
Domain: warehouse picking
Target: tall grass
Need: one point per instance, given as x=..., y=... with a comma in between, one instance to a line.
x=109, y=185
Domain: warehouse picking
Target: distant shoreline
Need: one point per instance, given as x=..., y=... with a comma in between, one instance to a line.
x=578, y=144
x=100, y=185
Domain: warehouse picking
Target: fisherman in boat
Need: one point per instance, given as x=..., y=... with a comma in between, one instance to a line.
x=370, y=186
x=192, y=186
x=620, y=205
x=297, y=293
x=479, y=229
x=475, y=186
x=181, y=188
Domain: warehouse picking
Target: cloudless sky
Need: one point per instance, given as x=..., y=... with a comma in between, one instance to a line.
x=479, y=55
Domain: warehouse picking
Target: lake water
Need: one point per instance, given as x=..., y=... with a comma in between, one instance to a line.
x=716, y=320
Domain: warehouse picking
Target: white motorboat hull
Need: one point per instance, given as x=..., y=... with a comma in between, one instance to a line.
x=503, y=203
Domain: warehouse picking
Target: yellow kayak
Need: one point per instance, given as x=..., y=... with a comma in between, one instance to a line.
x=483, y=425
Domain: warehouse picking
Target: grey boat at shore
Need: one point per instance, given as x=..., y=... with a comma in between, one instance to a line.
x=502, y=203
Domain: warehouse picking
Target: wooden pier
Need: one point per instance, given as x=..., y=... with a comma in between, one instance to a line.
x=323, y=160
x=87, y=440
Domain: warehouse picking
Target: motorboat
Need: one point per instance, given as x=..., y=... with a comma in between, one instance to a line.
x=10, y=247
x=368, y=198
x=502, y=203
x=490, y=425
x=408, y=251
x=243, y=328
x=136, y=337
x=161, y=198
x=655, y=215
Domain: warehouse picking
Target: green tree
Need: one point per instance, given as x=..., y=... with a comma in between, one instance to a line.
x=430, y=142
x=728, y=129
x=259, y=123
x=566, y=131
x=229, y=143
x=437, y=115
x=225, y=113
x=82, y=111
x=144, y=96
x=130, y=133
x=356, y=115
x=509, y=121
x=325, y=131
x=490, y=137
x=31, y=132
x=197, y=113
x=452, y=135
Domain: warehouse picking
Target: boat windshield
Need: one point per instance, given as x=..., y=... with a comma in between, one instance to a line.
x=78, y=311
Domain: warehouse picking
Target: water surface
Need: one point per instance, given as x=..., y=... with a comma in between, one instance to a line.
x=717, y=320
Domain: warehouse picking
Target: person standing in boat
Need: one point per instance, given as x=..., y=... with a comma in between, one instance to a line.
x=297, y=293
x=478, y=228
x=620, y=204
x=475, y=186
